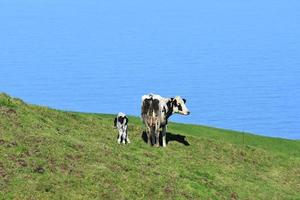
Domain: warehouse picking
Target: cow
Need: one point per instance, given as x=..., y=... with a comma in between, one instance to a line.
x=121, y=123
x=155, y=113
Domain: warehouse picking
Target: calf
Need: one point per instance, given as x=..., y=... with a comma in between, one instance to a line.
x=121, y=123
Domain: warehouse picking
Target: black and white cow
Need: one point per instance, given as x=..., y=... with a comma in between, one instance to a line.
x=121, y=123
x=155, y=113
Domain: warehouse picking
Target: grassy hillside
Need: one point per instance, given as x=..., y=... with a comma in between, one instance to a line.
x=51, y=154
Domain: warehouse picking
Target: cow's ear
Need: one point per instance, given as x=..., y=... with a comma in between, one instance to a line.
x=115, y=122
x=184, y=100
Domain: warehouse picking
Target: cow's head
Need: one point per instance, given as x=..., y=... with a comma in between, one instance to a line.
x=179, y=106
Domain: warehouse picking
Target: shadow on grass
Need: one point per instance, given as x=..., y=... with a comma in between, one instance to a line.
x=170, y=137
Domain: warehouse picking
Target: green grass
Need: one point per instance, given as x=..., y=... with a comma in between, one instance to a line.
x=51, y=154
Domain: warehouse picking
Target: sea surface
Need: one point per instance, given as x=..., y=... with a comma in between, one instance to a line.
x=236, y=62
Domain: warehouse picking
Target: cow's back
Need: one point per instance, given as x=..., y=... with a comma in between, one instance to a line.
x=151, y=111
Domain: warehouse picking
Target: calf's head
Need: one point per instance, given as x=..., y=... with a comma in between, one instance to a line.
x=179, y=106
x=122, y=119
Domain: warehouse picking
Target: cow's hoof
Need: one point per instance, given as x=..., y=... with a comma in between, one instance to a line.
x=156, y=145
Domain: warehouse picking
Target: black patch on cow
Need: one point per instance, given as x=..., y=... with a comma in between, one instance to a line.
x=175, y=103
x=164, y=110
x=122, y=119
x=149, y=106
x=146, y=106
x=115, y=122
x=155, y=105
x=126, y=120
x=169, y=104
x=184, y=100
x=179, y=107
x=170, y=108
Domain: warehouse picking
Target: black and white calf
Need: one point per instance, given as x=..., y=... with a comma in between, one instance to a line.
x=121, y=123
x=155, y=113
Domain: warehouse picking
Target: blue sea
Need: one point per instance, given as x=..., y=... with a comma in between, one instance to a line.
x=236, y=62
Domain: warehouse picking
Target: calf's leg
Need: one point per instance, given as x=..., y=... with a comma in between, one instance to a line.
x=120, y=136
x=123, y=137
x=127, y=138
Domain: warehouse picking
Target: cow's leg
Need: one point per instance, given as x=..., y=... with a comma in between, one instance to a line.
x=157, y=135
x=149, y=134
x=153, y=135
x=148, y=129
x=164, y=132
